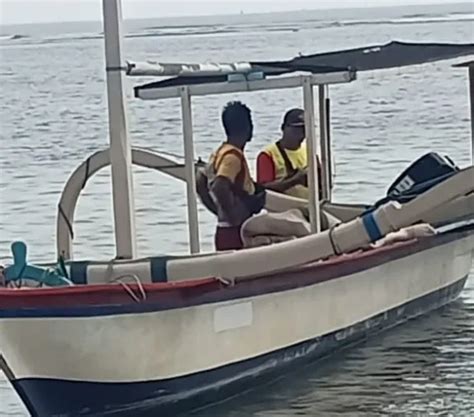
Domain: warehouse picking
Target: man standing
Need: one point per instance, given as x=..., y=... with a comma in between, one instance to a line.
x=227, y=188
x=282, y=166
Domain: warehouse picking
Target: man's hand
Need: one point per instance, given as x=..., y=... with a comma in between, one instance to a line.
x=300, y=177
x=258, y=201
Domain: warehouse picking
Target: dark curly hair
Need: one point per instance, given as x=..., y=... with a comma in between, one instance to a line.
x=237, y=120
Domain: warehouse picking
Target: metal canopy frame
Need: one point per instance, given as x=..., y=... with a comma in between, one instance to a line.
x=274, y=83
x=120, y=146
x=470, y=66
x=306, y=82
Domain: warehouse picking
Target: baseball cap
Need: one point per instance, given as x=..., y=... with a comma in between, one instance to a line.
x=294, y=117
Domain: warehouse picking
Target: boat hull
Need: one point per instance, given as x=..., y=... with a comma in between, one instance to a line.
x=95, y=362
x=139, y=397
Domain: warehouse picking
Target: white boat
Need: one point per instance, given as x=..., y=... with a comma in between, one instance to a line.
x=169, y=333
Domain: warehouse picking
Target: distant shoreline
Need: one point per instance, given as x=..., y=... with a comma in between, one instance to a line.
x=243, y=14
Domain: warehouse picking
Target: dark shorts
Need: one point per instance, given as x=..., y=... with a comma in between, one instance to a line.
x=228, y=238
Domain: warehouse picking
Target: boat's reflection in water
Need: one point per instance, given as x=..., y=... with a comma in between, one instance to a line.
x=422, y=368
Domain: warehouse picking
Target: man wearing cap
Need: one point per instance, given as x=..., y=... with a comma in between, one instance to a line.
x=282, y=166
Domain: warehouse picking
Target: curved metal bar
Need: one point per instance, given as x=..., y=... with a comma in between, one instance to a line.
x=79, y=178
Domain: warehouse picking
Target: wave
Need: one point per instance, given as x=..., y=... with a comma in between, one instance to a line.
x=179, y=33
x=408, y=20
x=207, y=29
x=12, y=37
x=459, y=13
x=175, y=27
x=421, y=15
x=72, y=37
x=281, y=29
x=224, y=29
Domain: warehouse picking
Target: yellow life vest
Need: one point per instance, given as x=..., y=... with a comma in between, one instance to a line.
x=298, y=159
x=243, y=180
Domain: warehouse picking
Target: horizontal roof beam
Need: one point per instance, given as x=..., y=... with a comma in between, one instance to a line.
x=244, y=86
x=157, y=69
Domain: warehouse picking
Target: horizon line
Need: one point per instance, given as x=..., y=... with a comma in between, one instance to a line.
x=242, y=13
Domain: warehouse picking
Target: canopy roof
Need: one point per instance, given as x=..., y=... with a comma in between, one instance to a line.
x=467, y=64
x=391, y=55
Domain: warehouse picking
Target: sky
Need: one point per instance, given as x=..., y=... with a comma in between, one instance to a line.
x=36, y=11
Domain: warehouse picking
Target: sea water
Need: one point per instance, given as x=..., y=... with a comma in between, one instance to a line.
x=53, y=115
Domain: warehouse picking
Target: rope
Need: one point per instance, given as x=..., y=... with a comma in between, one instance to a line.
x=22, y=271
x=60, y=208
x=127, y=288
x=62, y=266
x=335, y=248
x=229, y=282
x=68, y=223
x=86, y=174
x=16, y=283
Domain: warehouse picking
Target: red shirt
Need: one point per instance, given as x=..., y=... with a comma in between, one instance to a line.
x=266, y=171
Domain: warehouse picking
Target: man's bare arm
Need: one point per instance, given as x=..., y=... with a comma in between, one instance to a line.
x=221, y=188
x=284, y=184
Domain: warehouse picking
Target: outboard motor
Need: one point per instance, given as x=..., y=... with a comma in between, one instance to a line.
x=420, y=176
x=429, y=169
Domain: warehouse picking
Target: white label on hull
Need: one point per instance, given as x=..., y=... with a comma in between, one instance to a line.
x=233, y=316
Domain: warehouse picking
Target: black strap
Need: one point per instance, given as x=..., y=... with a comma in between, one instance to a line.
x=290, y=170
x=68, y=223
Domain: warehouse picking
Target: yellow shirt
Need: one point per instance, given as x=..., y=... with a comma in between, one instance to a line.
x=298, y=159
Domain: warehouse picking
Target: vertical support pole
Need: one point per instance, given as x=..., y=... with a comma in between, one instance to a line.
x=193, y=220
x=323, y=144
x=330, y=156
x=313, y=185
x=471, y=99
x=120, y=148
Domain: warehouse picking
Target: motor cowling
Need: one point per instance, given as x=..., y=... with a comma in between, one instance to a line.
x=423, y=174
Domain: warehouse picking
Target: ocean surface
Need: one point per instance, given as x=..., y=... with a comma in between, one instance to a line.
x=53, y=116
